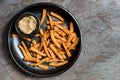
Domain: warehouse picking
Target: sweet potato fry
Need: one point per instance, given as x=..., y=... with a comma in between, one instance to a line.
x=57, y=16
x=32, y=59
x=70, y=37
x=45, y=48
x=59, y=37
x=44, y=13
x=44, y=60
x=71, y=28
x=55, y=51
x=26, y=50
x=50, y=21
x=63, y=28
x=74, y=38
x=44, y=67
x=37, y=51
x=25, y=38
x=55, y=60
x=23, y=51
x=54, y=40
x=60, y=32
x=51, y=53
x=41, y=32
x=67, y=51
x=55, y=22
x=58, y=64
x=74, y=44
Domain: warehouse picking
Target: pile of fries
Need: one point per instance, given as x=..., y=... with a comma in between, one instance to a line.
x=55, y=43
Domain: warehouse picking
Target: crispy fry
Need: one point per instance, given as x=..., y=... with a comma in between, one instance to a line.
x=55, y=51
x=25, y=38
x=32, y=59
x=55, y=22
x=37, y=51
x=54, y=40
x=59, y=37
x=58, y=64
x=71, y=28
x=23, y=51
x=55, y=60
x=41, y=32
x=44, y=67
x=67, y=51
x=70, y=37
x=63, y=28
x=74, y=44
x=74, y=38
x=26, y=50
x=60, y=32
x=51, y=53
x=44, y=60
x=45, y=48
x=43, y=16
x=57, y=16
x=50, y=21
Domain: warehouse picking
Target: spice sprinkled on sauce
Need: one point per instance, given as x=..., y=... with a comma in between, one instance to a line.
x=27, y=24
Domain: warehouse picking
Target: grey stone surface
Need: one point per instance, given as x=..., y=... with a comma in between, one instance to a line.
x=100, y=25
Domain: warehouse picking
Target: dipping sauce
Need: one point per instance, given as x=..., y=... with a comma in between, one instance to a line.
x=27, y=24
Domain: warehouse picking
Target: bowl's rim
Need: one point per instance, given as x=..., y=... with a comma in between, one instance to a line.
x=36, y=4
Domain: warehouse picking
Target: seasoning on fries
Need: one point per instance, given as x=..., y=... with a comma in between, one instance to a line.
x=54, y=45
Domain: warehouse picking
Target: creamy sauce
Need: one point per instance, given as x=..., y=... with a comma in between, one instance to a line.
x=27, y=24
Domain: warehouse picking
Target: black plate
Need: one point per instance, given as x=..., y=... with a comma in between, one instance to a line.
x=16, y=53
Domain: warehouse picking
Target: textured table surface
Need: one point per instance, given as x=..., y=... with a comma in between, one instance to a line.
x=100, y=25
